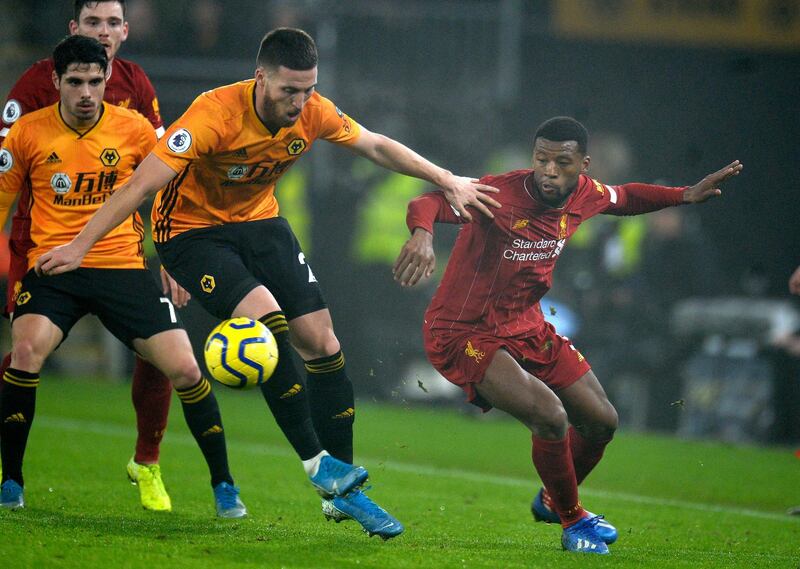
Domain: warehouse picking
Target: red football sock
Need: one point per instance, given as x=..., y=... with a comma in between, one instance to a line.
x=586, y=453
x=151, y=393
x=553, y=462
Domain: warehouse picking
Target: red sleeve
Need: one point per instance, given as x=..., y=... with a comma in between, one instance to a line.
x=148, y=100
x=428, y=209
x=635, y=198
x=32, y=91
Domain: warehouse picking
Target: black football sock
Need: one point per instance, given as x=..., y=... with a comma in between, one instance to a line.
x=201, y=410
x=332, y=404
x=17, y=407
x=286, y=395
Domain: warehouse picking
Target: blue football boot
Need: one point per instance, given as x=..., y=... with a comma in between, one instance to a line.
x=541, y=513
x=11, y=495
x=357, y=506
x=337, y=478
x=228, y=503
x=582, y=537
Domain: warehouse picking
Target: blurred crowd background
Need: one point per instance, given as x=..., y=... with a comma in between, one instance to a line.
x=684, y=314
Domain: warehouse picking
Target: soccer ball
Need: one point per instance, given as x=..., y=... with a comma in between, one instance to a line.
x=241, y=352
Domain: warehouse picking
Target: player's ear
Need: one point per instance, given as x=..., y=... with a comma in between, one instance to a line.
x=55, y=80
x=124, y=31
x=585, y=164
x=261, y=76
x=73, y=27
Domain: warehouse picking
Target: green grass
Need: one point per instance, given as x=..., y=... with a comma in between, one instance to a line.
x=461, y=484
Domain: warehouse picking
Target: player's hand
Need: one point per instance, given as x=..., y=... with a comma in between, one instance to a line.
x=462, y=192
x=179, y=295
x=707, y=188
x=794, y=282
x=416, y=259
x=61, y=259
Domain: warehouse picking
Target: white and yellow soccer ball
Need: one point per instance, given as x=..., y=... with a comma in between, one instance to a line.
x=241, y=353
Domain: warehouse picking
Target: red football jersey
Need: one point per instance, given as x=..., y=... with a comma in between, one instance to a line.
x=500, y=268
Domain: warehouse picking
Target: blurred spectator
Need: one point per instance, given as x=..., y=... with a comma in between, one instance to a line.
x=205, y=21
x=786, y=355
x=146, y=17
x=641, y=272
x=794, y=282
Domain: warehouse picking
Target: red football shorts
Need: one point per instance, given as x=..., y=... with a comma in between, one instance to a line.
x=462, y=357
x=17, y=269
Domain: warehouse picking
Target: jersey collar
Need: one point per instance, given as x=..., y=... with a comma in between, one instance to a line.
x=81, y=134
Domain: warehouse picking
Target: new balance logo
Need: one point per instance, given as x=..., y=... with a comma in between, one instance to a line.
x=16, y=418
x=215, y=430
x=53, y=159
x=294, y=390
x=241, y=153
x=349, y=412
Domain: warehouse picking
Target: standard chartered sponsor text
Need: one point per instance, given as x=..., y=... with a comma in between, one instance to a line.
x=524, y=250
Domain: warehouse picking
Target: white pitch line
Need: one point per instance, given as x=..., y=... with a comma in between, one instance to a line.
x=109, y=429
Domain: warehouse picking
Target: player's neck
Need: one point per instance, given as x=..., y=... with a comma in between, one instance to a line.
x=258, y=105
x=78, y=125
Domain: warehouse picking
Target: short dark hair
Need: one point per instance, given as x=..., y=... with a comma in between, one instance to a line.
x=289, y=47
x=79, y=5
x=560, y=129
x=79, y=49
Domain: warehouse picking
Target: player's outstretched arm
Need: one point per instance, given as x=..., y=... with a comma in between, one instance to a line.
x=461, y=192
x=416, y=259
x=794, y=282
x=149, y=177
x=708, y=187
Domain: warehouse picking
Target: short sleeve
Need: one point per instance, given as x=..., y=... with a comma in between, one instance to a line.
x=147, y=139
x=13, y=166
x=193, y=135
x=336, y=126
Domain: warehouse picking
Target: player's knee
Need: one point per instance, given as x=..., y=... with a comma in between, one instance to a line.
x=184, y=372
x=549, y=422
x=602, y=425
x=25, y=355
x=608, y=423
x=318, y=345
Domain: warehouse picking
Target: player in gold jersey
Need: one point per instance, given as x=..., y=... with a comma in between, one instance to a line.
x=128, y=86
x=218, y=233
x=73, y=156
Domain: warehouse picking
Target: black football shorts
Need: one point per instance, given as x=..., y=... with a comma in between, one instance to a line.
x=220, y=265
x=128, y=302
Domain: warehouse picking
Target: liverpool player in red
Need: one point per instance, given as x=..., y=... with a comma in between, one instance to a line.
x=126, y=86
x=484, y=329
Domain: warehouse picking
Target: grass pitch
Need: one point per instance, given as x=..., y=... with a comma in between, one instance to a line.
x=462, y=485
